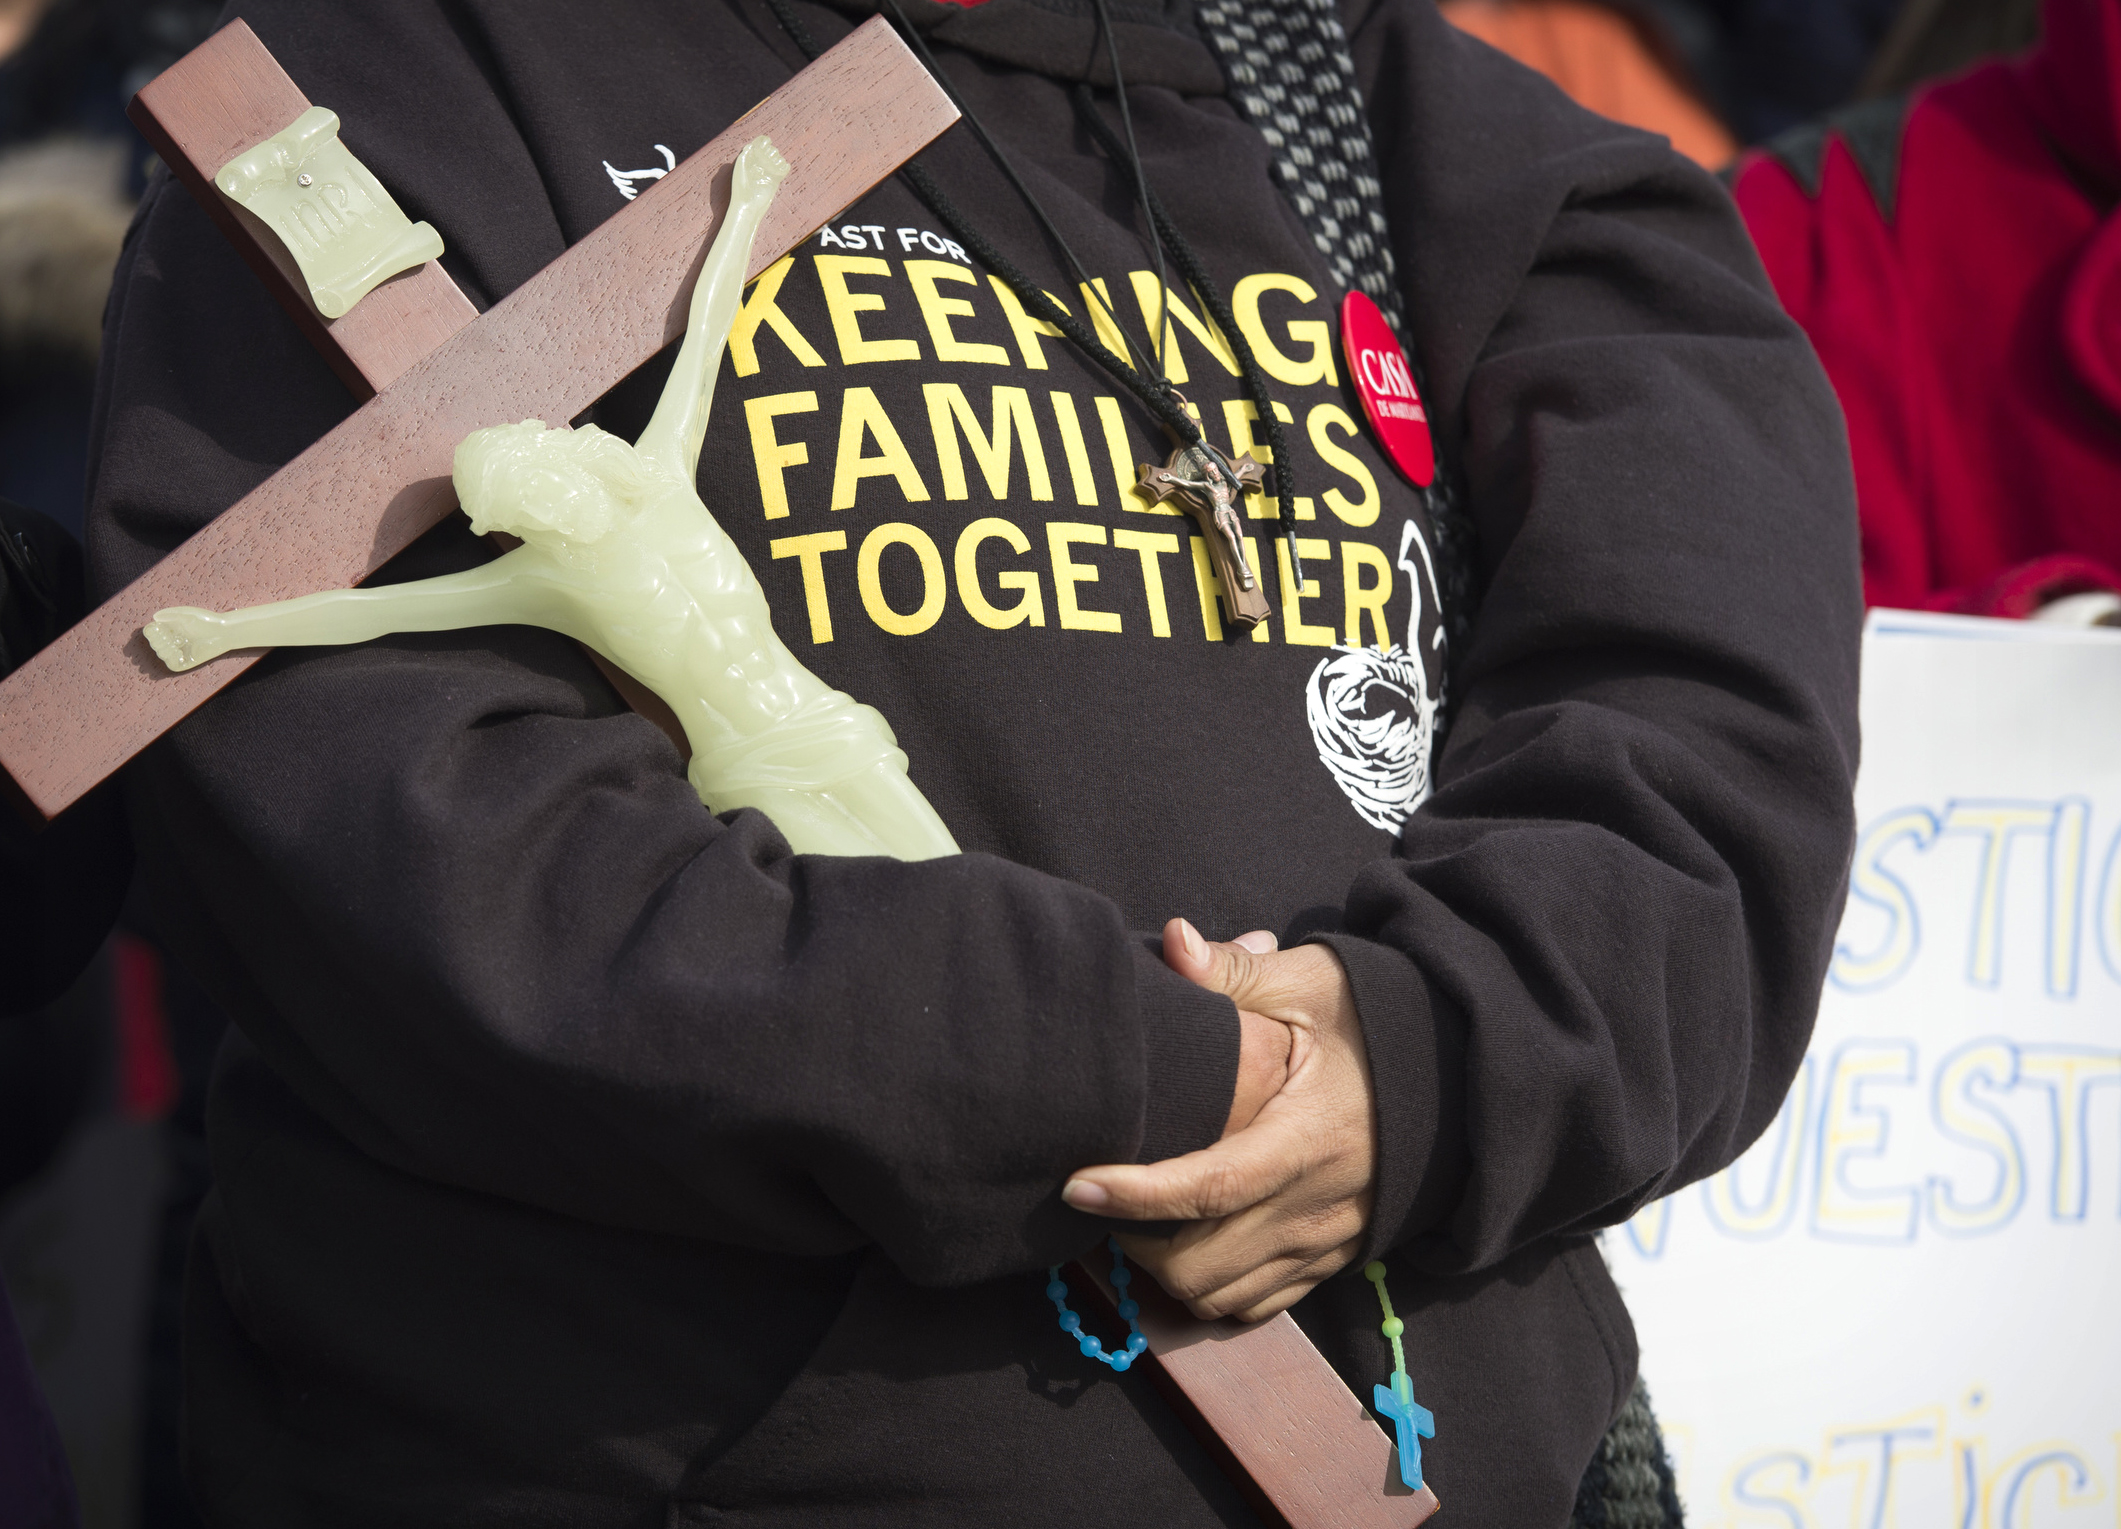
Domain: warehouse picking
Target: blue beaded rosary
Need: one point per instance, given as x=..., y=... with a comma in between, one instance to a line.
x=1411, y=1421
x=1072, y=1325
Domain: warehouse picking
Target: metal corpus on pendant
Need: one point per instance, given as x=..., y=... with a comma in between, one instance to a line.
x=1386, y=384
x=1212, y=486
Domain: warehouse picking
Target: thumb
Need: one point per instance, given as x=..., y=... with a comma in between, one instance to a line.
x=1233, y=969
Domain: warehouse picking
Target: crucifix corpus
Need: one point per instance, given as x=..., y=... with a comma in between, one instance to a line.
x=454, y=396
x=1212, y=487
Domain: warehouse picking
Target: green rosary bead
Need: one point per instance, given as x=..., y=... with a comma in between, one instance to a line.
x=1391, y=1327
x=1411, y=1422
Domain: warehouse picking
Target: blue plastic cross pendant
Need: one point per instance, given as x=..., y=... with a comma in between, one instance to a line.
x=1411, y=1420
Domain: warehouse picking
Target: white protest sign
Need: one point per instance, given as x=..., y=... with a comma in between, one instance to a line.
x=1900, y=1307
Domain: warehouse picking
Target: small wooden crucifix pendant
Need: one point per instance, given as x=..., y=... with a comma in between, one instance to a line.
x=1211, y=486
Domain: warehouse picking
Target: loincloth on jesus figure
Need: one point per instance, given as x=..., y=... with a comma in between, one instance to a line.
x=588, y=1152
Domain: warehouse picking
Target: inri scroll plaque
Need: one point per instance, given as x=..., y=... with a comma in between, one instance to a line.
x=344, y=230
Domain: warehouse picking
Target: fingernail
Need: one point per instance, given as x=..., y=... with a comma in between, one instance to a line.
x=1189, y=937
x=1084, y=1195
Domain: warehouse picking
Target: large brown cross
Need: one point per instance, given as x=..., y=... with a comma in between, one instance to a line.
x=431, y=369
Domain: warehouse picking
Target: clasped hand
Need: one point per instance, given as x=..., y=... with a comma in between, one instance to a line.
x=1281, y=1201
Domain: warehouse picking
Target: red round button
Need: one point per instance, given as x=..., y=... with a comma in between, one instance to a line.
x=1386, y=384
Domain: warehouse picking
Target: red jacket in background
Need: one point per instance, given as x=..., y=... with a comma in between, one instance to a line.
x=1967, y=305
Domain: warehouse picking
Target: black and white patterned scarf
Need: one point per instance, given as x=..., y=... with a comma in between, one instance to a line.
x=1289, y=72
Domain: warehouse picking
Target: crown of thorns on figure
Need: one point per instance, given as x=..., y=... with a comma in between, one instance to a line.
x=547, y=486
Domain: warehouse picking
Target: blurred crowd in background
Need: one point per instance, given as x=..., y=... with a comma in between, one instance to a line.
x=1715, y=76
x=104, y=1042
x=1931, y=184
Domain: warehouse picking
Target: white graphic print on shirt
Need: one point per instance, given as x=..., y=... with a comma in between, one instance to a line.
x=1372, y=714
x=628, y=180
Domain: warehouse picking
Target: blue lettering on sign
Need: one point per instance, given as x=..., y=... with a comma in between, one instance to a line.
x=1870, y=1157
x=1880, y=897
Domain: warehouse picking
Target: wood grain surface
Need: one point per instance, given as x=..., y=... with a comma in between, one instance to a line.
x=1276, y=1416
x=93, y=699
x=218, y=100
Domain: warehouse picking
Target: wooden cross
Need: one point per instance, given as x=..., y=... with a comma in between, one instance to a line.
x=437, y=369
x=432, y=369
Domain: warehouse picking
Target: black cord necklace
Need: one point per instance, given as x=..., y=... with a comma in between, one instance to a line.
x=1198, y=473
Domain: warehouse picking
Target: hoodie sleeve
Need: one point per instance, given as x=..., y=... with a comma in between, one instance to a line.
x=1591, y=969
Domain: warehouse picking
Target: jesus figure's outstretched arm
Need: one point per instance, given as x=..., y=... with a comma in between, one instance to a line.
x=679, y=426
x=186, y=636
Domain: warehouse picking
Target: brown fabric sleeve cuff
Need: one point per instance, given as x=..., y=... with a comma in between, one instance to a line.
x=1415, y=1037
x=1189, y=1052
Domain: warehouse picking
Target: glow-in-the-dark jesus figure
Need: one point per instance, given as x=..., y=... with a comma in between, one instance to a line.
x=619, y=553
